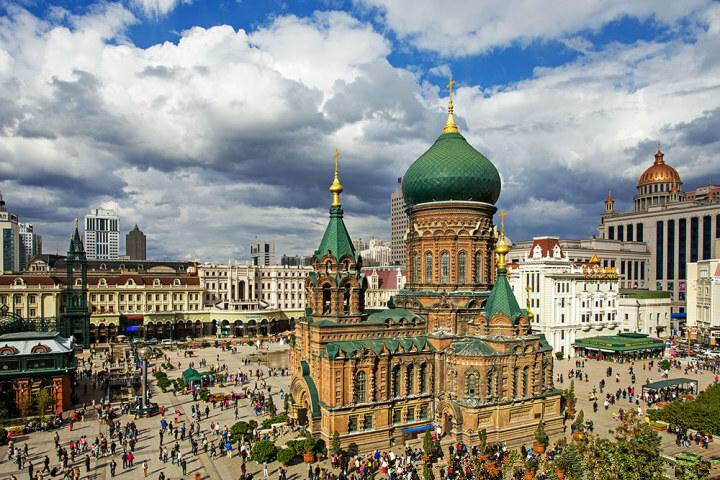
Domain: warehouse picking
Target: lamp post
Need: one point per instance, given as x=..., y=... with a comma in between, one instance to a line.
x=142, y=353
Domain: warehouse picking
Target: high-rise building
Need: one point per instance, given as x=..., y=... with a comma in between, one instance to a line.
x=678, y=227
x=102, y=235
x=135, y=244
x=398, y=225
x=9, y=241
x=263, y=253
x=30, y=244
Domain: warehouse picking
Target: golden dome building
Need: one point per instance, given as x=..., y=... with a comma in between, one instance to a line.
x=659, y=184
x=454, y=353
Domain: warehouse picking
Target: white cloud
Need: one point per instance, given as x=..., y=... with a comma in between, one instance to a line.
x=157, y=8
x=466, y=27
x=228, y=134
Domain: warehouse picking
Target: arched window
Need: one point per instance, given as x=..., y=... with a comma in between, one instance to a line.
x=416, y=269
x=326, y=298
x=525, y=379
x=444, y=268
x=477, y=267
x=409, y=379
x=491, y=384
x=461, y=267
x=422, y=378
x=396, y=381
x=428, y=267
x=328, y=266
x=516, y=381
x=359, y=387
x=471, y=385
x=346, y=298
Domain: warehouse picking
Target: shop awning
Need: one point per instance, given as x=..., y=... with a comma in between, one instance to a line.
x=418, y=429
x=673, y=382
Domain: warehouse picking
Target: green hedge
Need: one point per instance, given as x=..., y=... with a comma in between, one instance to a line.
x=263, y=451
x=276, y=419
x=701, y=414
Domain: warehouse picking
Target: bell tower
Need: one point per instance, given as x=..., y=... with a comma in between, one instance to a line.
x=336, y=287
x=75, y=318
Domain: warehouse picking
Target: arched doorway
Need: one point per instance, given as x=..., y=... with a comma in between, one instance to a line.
x=263, y=328
x=238, y=328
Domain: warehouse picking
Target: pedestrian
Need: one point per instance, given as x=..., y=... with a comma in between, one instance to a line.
x=145, y=467
x=87, y=463
x=113, y=467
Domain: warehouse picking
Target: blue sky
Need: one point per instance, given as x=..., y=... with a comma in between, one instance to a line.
x=236, y=125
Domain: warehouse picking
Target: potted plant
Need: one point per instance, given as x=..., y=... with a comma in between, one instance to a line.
x=578, y=425
x=309, y=450
x=482, y=446
x=530, y=468
x=541, y=439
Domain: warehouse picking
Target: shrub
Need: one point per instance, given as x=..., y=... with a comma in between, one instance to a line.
x=559, y=355
x=242, y=428
x=335, y=444
x=297, y=446
x=579, y=422
x=276, y=419
x=163, y=383
x=263, y=451
x=286, y=455
x=428, y=444
x=664, y=364
x=428, y=472
x=160, y=374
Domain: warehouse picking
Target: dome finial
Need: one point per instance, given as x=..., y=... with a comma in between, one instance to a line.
x=659, y=156
x=336, y=187
x=450, y=125
x=501, y=248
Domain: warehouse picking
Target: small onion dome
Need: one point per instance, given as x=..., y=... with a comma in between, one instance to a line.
x=659, y=172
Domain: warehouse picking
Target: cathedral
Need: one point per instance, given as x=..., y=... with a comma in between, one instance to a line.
x=454, y=352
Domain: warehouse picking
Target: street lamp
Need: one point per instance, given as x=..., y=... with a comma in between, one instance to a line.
x=143, y=355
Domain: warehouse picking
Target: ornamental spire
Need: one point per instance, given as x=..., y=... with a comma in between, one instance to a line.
x=450, y=125
x=501, y=249
x=336, y=187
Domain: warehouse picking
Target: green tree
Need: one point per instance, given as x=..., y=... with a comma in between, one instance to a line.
x=335, y=444
x=428, y=472
x=43, y=399
x=429, y=445
x=272, y=410
x=632, y=454
x=482, y=437
x=579, y=422
x=540, y=436
x=570, y=462
x=570, y=400
x=286, y=404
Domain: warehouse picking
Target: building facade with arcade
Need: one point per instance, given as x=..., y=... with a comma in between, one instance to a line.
x=455, y=352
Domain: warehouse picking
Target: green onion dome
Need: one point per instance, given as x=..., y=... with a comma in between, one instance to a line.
x=451, y=169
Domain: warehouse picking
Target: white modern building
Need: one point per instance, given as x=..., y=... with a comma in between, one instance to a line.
x=30, y=244
x=383, y=284
x=102, y=235
x=569, y=300
x=646, y=311
x=703, y=301
x=398, y=226
x=240, y=287
x=9, y=241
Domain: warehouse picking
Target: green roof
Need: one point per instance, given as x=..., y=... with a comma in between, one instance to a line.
x=314, y=397
x=350, y=347
x=336, y=239
x=644, y=294
x=620, y=343
x=669, y=383
x=502, y=299
x=191, y=375
x=472, y=348
x=451, y=169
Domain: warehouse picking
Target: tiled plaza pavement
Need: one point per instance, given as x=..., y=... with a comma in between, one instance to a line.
x=147, y=447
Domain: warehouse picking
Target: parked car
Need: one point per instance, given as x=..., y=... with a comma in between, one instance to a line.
x=167, y=341
x=153, y=341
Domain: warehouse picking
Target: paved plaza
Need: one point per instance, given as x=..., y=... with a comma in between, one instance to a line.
x=42, y=443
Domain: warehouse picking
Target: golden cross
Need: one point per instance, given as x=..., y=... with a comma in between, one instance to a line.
x=450, y=86
x=502, y=222
x=336, y=156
